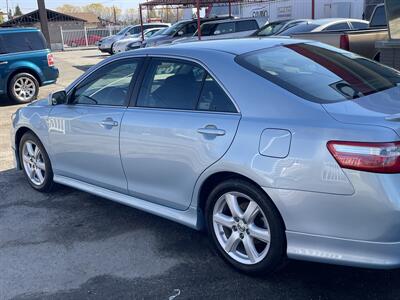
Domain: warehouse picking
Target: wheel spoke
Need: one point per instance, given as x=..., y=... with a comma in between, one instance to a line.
x=31, y=173
x=259, y=233
x=39, y=175
x=224, y=220
x=232, y=242
x=251, y=212
x=231, y=201
x=41, y=165
x=30, y=149
x=26, y=158
x=36, y=152
x=250, y=249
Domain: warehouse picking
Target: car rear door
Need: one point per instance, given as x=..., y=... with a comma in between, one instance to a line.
x=181, y=123
x=84, y=134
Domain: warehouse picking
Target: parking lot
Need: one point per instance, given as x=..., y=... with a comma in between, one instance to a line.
x=73, y=245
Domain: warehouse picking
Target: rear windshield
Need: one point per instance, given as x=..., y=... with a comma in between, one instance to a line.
x=21, y=42
x=301, y=28
x=379, y=17
x=320, y=73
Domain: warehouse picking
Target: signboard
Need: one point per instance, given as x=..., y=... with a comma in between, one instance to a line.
x=393, y=17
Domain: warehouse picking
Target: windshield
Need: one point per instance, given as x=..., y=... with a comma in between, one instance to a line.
x=161, y=31
x=174, y=28
x=341, y=75
x=300, y=28
x=270, y=29
x=123, y=31
x=208, y=29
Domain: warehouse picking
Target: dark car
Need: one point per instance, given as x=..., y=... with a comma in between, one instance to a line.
x=26, y=63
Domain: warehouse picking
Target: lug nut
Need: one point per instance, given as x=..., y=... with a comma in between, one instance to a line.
x=234, y=228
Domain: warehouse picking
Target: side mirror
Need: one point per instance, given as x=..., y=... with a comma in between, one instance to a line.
x=58, y=97
x=180, y=32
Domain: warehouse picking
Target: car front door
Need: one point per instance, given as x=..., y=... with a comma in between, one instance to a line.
x=84, y=134
x=181, y=123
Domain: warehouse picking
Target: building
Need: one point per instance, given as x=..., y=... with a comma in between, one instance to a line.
x=56, y=21
x=271, y=10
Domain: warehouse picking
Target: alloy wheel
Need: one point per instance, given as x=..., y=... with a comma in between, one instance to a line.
x=24, y=88
x=241, y=228
x=34, y=163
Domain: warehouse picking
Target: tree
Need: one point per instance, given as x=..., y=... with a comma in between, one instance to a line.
x=1, y=17
x=17, y=11
x=67, y=8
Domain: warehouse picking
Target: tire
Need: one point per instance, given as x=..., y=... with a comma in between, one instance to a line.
x=23, y=88
x=265, y=223
x=34, y=160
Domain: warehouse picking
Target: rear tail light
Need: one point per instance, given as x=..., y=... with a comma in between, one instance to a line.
x=50, y=60
x=369, y=157
x=344, y=42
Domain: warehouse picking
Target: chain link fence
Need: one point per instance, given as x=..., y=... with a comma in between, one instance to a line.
x=87, y=37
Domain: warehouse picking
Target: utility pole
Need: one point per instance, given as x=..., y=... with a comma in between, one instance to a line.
x=8, y=12
x=44, y=24
x=115, y=15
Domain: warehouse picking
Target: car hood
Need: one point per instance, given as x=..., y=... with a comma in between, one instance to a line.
x=39, y=103
x=380, y=109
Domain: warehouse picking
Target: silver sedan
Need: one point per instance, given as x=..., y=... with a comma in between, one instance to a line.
x=280, y=148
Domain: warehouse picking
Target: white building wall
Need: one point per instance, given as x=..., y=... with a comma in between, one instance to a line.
x=295, y=9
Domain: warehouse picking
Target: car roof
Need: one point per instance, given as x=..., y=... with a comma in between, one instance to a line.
x=229, y=20
x=232, y=46
x=334, y=20
x=18, y=29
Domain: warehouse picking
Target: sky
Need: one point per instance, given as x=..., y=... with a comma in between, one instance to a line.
x=29, y=5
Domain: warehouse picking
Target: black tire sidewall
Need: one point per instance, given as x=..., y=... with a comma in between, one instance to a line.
x=11, y=92
x=276, y=255
x=48, y=179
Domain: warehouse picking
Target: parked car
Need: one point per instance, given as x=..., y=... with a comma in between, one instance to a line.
x=139, y=43
x=280, y=148
x=121, y=45
x=106, y=44
x=224, y=29
x=277, y=27
x=26, y=63
x=181, y=29
x=324, y=25
x=358, y=41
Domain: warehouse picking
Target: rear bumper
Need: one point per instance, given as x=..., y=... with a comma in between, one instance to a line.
x=343, y=251
x=50, y=76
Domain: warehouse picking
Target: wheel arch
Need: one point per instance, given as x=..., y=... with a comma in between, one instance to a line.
x=18, y=136
x=216, y=178
x=28, y=70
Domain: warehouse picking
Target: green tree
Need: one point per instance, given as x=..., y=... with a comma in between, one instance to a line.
x=17, y=11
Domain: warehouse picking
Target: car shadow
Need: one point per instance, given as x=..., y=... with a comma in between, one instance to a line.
x=83, y=68
x=6, y=101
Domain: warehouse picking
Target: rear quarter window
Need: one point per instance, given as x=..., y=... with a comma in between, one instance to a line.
x=22, y=41
x=320, y=73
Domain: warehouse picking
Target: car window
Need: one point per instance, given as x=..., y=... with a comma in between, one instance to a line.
x=224, y=28
x=135, y=30
x=246, y=25
x=21, y=42
x=359, y=25
x=301, y=28
x=338, y=26
x=107, y=86
x=213, y=97
x=341, y=75
x=379, y=17
x=189, y=29
x=171, y=84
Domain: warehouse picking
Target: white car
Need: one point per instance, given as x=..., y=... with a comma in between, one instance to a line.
x=120, y=46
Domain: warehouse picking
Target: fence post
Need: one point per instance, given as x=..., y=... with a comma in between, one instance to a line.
x=62, y=38
x=86, y=39
x=109, y=30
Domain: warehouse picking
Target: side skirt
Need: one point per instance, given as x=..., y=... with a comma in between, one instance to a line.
x=187, y=217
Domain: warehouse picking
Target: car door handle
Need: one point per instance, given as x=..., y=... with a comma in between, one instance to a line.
x=211, y=130
x=109, y=123
x=3, y=62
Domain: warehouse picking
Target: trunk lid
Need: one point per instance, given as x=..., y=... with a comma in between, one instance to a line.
x=380, y=109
